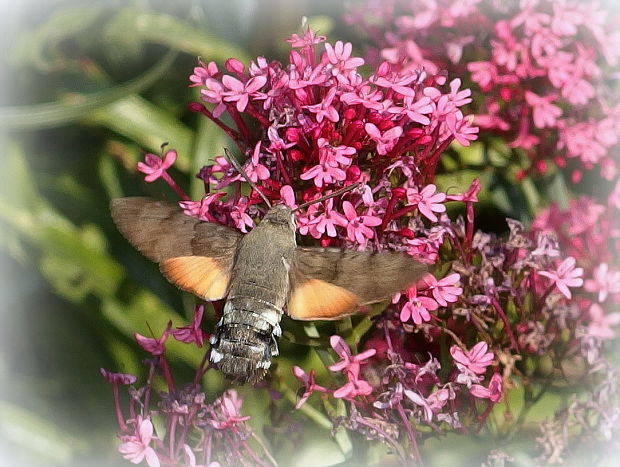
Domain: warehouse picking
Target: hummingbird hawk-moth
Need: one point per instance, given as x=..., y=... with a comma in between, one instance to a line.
x=262, y=275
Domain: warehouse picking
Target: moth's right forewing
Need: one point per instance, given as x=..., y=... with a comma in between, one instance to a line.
x=360, y=278
x=164, y=234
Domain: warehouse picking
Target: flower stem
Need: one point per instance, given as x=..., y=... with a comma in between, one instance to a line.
x=502, y=315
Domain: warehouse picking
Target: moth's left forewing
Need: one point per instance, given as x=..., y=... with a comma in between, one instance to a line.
x=194, y=255
x=329, y=284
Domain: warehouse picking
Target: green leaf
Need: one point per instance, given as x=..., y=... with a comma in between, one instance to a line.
x=64, y=23
x=209, y=143
x=76, y=106
x=133, y=24
x=141, y=121
x=147, y=315
x=108, y=174
x=456, y=182
x=472, y=154
x=558, y=191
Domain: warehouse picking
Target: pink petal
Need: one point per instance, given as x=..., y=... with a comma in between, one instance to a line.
x=372, y=131
x=232, y=83
x=151, y=458
x=349, y=210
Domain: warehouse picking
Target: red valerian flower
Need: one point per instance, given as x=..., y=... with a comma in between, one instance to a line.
x=475, y=360
x=228, y=415
x=193, y=332
x=154, y=167
x=136, y=448
x=310, y=385
x=493, y=392
x=565, y=276
x=601, y=322
x=152, y=345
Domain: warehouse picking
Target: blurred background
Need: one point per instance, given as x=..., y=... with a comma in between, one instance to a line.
x=87, y=87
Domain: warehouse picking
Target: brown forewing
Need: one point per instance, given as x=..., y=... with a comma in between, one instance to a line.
x=161, y=231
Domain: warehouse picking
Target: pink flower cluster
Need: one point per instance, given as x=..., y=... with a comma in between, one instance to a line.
x=315, y=125
x=538, y=69
x=215, y=430
x=590, y=232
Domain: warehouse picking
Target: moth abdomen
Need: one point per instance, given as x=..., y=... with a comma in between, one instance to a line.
x=245, y=340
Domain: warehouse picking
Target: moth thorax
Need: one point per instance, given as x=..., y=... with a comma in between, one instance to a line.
x=245, y=339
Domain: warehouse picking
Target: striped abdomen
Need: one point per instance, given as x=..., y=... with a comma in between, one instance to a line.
x=245, y=338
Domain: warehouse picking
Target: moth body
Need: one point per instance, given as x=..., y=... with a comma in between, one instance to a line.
x=245, y=337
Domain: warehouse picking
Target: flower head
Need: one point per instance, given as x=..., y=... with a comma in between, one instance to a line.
x=154, y=166
x=475, y=360
x=193, y=332
x=565, y=276
x=136, y=448
x=493, y=392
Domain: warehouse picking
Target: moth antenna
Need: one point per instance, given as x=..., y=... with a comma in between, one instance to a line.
x=232, y=161
x=331, y=195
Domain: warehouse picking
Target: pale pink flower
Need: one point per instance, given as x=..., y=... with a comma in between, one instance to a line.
x=308, y=39
x=309, y=383
x=136, y=448
x=354, y=387
x=565, y=276
x=324, y=174
x=366, y=95
x=348, y=361
x=444, y=291
x=326, y=223
x=483, y=73
x=340, y=56
x=544, y=113
x=462, y=129
x=325, y=109
x=239, y=216
x=493, y=392
x=415, y=110
x=359, y=226
x=475, y=360
x=350, y=365
x=417, y=307
x=240, y=92
x=214, y=93
x=470, y=196
x=428, y=201
x=154, y=167
x=601, y=322
x=399, y=83
x=604, y=282
x=431, y=404
x=229, y=416
x=254, y=169
x=287, y=195
x=202, y=73
x=201, y=209
x=385, y=141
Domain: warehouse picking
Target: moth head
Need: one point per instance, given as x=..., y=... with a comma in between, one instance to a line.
x=281, y=215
